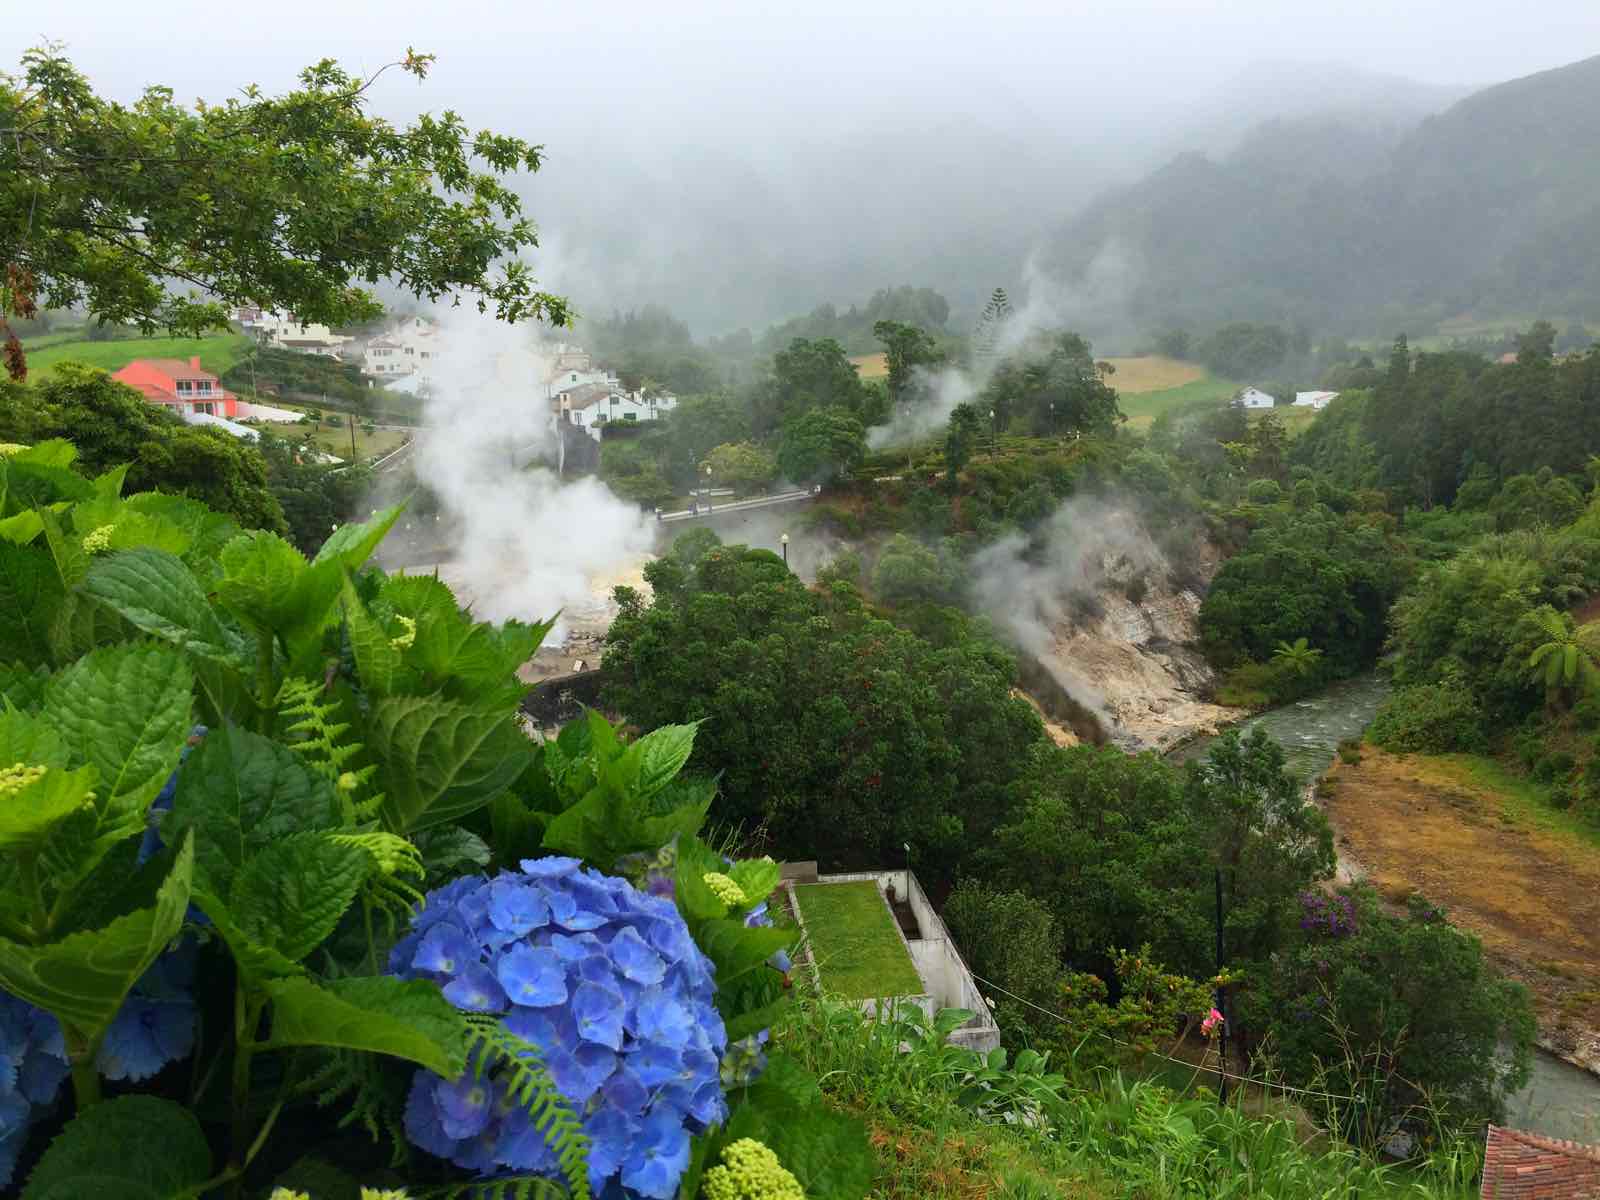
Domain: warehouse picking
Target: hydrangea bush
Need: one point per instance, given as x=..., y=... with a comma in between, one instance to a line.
x=606, y=981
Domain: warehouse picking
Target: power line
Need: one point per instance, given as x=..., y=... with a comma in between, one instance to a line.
x=1263, y=1083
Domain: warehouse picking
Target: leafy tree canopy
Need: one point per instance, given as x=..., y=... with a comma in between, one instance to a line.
x=284, y=201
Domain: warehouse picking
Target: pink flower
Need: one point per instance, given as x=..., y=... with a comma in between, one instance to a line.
x=1212, y=1023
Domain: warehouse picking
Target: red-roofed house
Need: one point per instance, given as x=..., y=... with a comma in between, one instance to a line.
x=180, y=386
x=1525, y=1166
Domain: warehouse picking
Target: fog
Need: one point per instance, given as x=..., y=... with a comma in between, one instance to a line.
x=741, y=162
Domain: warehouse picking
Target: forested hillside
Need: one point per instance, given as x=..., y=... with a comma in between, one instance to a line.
x=1489, y=207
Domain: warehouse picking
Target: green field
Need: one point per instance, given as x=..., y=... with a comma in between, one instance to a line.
x=854, y=941
x=1142, y=408
x=217, y=352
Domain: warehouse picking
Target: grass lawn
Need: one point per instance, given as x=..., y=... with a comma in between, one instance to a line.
x=1153, y=373
x=872, y=366
x=1142, y=408
x=336, y=439
x=217, y=352
x=855, y=942
x=1522, y=800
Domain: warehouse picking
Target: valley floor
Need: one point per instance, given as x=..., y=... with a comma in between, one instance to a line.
x=1465, y=834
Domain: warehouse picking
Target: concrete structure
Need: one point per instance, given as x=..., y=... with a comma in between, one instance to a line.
x=1316, y=400
x=182, y=387
x=946, y=981
x=232, y=428
x=1522, y=1166
x=1253, y=398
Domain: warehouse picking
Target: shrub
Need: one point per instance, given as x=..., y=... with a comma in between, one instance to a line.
x=1429, y=718
x=1350, y=750
x=1555, y=766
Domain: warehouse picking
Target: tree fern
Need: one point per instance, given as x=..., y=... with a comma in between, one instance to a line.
x=529, y=1084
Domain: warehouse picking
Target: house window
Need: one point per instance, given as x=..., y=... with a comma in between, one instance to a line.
x=630, y=416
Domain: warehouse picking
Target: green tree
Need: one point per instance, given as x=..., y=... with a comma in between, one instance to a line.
x=1298, y=657
x=1354, y=1009
x=1539, y=342
x=961, y=438
x=908, y=572
x=1243, y=350
x=906, y=347
x=990, y=334
x=1174, y=343
x=1058, y=388
x=279, y=201
x=112, y=425
x=742, y=465
x=821, y=444
x=808, y=374
x=1008, y=938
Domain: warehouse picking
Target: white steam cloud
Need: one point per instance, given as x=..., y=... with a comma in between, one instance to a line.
x=523, y=541
x=1038, y=589
x=1086, y=303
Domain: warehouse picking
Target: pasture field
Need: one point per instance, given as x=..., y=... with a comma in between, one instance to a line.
x=217, y=352
x=1142, y=408
x=1152, y=373
x=871, y=366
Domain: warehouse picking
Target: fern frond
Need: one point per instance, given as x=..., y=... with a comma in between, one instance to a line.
x=374, y=1102
x=529, y=1084
x=318, y=738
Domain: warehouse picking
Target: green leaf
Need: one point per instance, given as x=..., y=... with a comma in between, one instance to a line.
x=82, y=979
x=127, y=710
x=410, y=1020
x=29, y=592
x=735, y=948
x=259, y=575
x=109, y=483
x=290, y=896
x=27, y=738
x=442, y=760
x=28, y=814
x=351, y=545
x=160, y=595
x=129, y=1148
x=21, y=528
x=66, y=551
x=240, y=792
x=756, y=877
x=377, y=658
x=662, y=753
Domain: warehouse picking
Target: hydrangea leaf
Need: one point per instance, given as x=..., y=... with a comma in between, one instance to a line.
x=736, y=948
x=131, y=1148
x=23, y=687
x=83, y=978
x=241, y=792
x=29, y=592
x=290, y=896
x=109, y=483
x=662, y=753
x=382, y=1014
x=160, y=595
x=66, y=551
x=260, y=573
x=27, y=738
x=441, y=759
x=449, y=645
x=125, y=709
x=351, y=545
x=378, y=659
x=254, y=961
x=21, y=528
x=28, y=813
x=756, y=877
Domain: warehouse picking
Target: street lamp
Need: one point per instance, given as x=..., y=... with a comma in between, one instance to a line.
x=994, y=432
x=784, y=542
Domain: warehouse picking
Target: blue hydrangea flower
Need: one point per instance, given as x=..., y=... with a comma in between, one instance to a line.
x=33, y=1064
x=156, y=1023
x=601, y=976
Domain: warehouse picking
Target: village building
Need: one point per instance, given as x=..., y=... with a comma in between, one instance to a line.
x=1314, y=400
x=184, y=388
x=1253, y=398
x=285, y=331
x=410, y=349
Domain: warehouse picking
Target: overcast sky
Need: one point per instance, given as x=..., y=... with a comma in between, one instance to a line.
x=742, y=160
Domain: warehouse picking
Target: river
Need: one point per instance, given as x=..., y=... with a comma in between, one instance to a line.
x=1560, y=1100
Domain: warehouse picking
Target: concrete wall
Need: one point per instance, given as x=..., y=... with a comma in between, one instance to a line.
x=946, y=980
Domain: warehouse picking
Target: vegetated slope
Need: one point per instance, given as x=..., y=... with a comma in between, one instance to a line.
x=217, y=352
x=1491, y=205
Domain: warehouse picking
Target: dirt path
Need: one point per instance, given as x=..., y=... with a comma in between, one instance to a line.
x=1532, y=896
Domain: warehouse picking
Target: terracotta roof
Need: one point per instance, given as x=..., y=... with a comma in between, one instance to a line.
x=1523, y=1166
x=177, y=368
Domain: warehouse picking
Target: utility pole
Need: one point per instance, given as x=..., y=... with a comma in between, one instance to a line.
x=351, y=417
x=1222, y=999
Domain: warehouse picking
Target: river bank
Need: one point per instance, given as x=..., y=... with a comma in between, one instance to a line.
x=1469, y=842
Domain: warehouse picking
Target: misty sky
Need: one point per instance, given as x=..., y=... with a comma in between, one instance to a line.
x=742, y=161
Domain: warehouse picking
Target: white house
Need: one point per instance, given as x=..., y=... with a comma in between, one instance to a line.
x=284, y=331
x=1253, y=398
x=410, y=348
x=592, y=406
x=1316, y=400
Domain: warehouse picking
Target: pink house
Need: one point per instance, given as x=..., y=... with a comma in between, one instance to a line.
x=180, y=386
